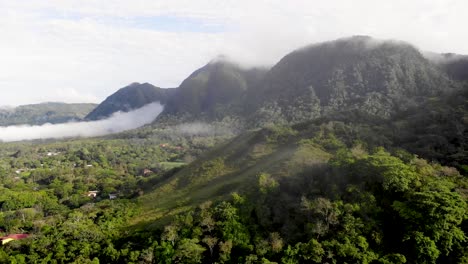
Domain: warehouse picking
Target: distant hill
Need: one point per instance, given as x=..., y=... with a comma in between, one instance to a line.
x=38, y=114
x=130, y=97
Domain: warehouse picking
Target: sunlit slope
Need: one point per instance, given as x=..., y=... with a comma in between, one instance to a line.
x=285, y=151
x=233, y=167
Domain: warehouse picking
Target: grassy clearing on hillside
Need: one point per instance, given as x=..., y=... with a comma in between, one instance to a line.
x=232, y=167
x=171, y=165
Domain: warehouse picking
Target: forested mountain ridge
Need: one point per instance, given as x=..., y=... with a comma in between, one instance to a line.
x=129, y=98
x=38, y=114
x=317, y=192
x=455, y=65
x=213, y=92
x=358, y=73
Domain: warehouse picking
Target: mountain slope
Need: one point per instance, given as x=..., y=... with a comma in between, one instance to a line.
x=212, y=92
x=436, y=130
x=455, y=65
x=377, y=77
x=274, y=173
x=359, y=73
x=130, y=97
x=230, y=167
x=38, y=114
x=297, y=155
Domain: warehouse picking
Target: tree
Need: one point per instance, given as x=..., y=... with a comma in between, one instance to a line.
x=323, y=212
x=432, y=218
x=188, y=251
x=211, y=242
x=396, y=176
x=170, y=234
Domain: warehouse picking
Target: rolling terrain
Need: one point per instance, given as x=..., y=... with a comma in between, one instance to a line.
x=348, y=151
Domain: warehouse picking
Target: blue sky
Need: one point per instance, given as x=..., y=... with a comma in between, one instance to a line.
x=172, y=24
x=84, y=50
x=163, y=23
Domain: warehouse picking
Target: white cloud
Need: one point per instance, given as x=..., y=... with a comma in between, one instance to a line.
x=70, y=95
x=90, y=46
x=118, y=122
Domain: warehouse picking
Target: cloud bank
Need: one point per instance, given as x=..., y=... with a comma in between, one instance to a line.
x=118, y=122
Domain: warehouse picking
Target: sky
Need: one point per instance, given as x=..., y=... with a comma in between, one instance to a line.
x=84, y=50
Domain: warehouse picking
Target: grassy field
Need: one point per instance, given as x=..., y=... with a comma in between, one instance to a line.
x=171, y=165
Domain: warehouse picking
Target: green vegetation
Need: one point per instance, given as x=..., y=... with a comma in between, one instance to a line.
x=280, y=194
x=367, y=165
x=47, y=190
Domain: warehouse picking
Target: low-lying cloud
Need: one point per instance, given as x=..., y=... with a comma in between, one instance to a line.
x=444, y=57
x=118, y=122
x=202, y=129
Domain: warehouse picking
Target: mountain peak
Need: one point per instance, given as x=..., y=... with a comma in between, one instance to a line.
x=212, y=89
x=130, y=97
x=221, y=58
x=371, y=75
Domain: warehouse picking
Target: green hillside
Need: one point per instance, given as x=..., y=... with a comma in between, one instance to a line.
x=328, y=185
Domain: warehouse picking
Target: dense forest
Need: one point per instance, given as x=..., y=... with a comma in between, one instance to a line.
x=281, y=194
x=340, y=153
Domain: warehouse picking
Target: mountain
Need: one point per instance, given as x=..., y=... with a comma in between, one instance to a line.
x=455, y=65
x=130, y=97
x=359, y=73
x=374, y=76
x=436, y=130
x=38, y=114
x=326, y=184
x=212, y=92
